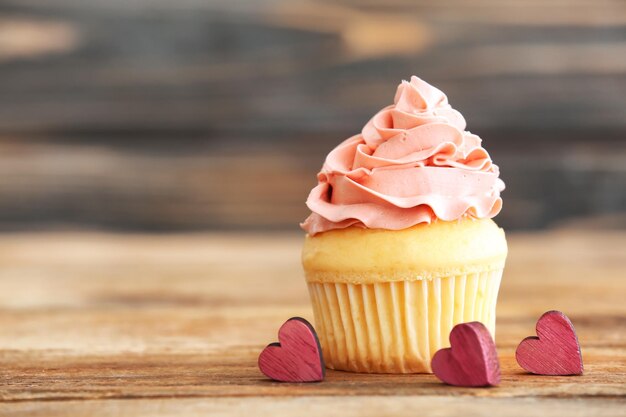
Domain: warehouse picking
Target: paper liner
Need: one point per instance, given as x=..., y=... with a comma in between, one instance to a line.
x=396, y=327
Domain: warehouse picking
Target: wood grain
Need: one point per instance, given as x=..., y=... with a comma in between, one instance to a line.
x=160, y=115
x=104, y=324
x=296, y=357
x=554, y=351
x=122, y=182
x=471, y=360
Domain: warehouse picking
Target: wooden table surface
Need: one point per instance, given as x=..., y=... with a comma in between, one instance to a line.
x=103, y=324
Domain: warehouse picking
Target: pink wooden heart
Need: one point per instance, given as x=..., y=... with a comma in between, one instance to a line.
x=471, y=361
x=298, y=356
x=555, y=349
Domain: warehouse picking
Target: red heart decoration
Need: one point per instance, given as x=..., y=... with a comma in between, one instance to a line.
x=555, y=349
x=298, y=356
x=471, y=361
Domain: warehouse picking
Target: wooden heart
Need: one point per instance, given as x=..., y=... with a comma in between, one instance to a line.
x=471, y=361
x=555, y=349
x=298, y=355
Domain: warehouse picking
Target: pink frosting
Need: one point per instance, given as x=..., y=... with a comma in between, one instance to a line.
x=413, y=162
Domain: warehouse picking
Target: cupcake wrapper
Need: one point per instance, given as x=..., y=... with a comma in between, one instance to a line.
x=396, y=327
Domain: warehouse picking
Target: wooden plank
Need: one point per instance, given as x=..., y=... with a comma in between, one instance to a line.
x=159, y=115
x=141, y=324
x=230, y=369
x=197, y=184
x=339, y=406
x=305, y=66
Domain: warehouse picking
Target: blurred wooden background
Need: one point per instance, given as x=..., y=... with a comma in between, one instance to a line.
x=190, y=114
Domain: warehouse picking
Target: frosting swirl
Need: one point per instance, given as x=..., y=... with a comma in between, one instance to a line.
x=413, y=162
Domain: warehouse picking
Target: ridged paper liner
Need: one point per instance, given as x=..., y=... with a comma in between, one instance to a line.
x=396, y=327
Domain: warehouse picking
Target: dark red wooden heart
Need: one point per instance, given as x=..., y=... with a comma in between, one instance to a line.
x=471, y=361
x=298, y=355
x=555, y=349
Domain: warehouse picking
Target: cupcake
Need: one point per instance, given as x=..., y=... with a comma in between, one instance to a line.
x=400, y=244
